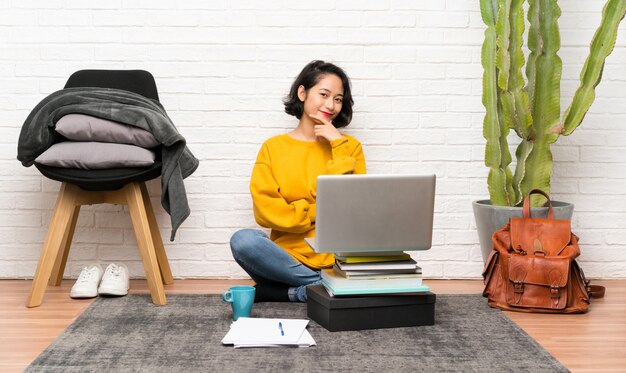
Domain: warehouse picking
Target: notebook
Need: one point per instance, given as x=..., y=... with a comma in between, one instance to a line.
x=378, y=266
x=373, y=213
x=263, y=332
x=337, y=285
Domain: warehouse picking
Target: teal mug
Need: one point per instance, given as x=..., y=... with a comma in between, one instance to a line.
x=241, y=299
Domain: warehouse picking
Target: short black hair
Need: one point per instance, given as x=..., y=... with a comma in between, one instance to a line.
x=308, y=77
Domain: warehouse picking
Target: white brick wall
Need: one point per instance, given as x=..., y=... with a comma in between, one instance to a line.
x=222, y=68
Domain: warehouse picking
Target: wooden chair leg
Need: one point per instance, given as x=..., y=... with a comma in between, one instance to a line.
x=61, y=219
x=59, y=265
x=143, y=234
x=164, y=265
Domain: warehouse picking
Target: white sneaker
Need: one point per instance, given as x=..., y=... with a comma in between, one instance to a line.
x=115, y=280
x=86, y=285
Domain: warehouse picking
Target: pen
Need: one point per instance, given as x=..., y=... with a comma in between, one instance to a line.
x=280, y=327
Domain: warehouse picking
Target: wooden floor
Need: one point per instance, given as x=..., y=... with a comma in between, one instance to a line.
x=593, y=342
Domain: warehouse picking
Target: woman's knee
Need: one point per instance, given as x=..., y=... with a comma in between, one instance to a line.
x=243, y=242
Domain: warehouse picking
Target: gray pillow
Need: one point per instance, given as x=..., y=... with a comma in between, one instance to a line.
x=81, y=127
x=95, y=155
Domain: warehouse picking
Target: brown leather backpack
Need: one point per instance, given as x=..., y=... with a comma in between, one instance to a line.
x=532, y=266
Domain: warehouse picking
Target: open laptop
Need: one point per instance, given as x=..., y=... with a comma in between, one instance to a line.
x=366, y=213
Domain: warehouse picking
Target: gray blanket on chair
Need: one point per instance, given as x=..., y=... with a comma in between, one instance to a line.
x=122, y=106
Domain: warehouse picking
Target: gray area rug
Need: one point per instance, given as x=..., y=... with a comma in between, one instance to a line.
x=130, y=334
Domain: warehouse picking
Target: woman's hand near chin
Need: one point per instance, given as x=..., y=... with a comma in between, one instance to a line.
x=324, y=128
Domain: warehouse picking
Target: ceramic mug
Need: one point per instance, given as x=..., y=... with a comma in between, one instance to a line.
x=241, y=299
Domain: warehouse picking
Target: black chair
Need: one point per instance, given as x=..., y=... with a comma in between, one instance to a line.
x=118, y=186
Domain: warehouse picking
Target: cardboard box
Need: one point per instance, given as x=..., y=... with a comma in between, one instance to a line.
x=369, y=312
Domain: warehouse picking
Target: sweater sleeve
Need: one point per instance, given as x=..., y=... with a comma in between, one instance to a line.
x=271, y=210
x=346, y=160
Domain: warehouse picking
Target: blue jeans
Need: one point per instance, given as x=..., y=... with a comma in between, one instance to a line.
x=267, y=262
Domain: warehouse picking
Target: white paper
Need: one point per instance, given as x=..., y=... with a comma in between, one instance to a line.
x=261, y=332
x=306, y=340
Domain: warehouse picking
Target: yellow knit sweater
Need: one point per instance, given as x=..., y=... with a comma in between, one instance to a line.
x=283, y=187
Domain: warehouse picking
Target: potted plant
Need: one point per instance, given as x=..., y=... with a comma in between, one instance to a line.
x=530, y=108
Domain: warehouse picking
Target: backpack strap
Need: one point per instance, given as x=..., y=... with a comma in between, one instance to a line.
x=595, y=291
x=526, y=206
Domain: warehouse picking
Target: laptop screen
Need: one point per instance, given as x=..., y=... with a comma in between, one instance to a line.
x=365, y=213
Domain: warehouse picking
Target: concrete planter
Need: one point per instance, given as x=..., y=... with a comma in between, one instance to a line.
x=490, y=218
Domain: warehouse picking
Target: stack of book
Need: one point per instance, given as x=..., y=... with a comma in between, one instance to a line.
x=373, y=273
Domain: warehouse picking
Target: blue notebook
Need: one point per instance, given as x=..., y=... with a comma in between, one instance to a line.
x=380, y=290
x=339, y=285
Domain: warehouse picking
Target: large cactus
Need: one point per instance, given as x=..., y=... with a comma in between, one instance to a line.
x=533, y=110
